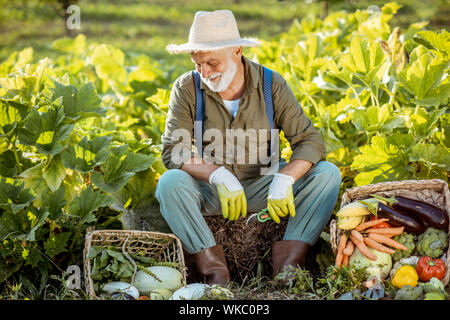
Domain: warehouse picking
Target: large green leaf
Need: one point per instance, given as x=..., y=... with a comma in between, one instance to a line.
x=432, y=155
x=88, y=201
x=13, y=195
x=86, y=154
x=109, y=64
x=380, y=161
x=22, y=224
x=54, y=173
x=45, y=131
x=439, y=41
x=78, y=102
x=424, y=76
x=139, y=191
x=375, y=119
x=119, y=167
x=34, y=180
x=54, y=203
x=56, y=243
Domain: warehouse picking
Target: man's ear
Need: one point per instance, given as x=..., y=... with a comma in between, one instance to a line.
x=237, y=53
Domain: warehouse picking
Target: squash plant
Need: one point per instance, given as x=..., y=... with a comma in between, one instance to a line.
x=64, y=166
x=377, y=95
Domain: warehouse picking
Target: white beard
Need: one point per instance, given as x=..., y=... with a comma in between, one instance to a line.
x=225, y=78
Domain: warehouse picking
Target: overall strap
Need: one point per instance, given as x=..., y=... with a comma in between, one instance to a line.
x=200, y=109
x=199, y=112
x=267, y=89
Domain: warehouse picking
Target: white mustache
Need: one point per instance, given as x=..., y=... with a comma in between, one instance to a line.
x=214, y=75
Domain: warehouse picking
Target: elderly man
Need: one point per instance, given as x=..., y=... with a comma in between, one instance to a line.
x=207, y=180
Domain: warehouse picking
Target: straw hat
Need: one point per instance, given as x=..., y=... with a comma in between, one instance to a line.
x=211, y=31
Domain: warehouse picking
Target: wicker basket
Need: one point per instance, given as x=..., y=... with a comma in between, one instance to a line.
x=165, y=247
x=434, y=192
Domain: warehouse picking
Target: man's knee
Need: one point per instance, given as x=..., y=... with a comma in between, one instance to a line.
x=328, y=175
x=172, y=180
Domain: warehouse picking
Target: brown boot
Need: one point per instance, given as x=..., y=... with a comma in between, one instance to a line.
x=212, y=264
x=288, y=253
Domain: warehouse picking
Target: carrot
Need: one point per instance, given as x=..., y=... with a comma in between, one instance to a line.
x=369, y=224
x=357, y=235
x=363, y=249
x=345, y=261
x=386, y=240
x=349, y=248
x=341, y=247
x=377, y=246
x=387, y=231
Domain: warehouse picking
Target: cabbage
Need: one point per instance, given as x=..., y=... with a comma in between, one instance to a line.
x=379, y=268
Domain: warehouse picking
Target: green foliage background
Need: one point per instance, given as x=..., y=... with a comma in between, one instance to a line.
x=81, y=120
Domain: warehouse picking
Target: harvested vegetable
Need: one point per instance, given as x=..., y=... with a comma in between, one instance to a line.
x=345, y=260
x=432, y=215
x=434, y=296
x=354, y=209
x=379, y=268
x=387, y=231
x=158, y=277
x=428, y=268
x=121, y=287
x=363, y=249
x=348, y=250
x=432, y=243
x=408, y=240
x=349, y=223
x=433, y=285
x=358, y=236
x=388, y=241
x=409, y=293
x=341, y=246
x=383, y=224
x=369, y=224
x=160, y=294
x=397, y=218
x=193, y=291
x=405, y=276
x=378, y=246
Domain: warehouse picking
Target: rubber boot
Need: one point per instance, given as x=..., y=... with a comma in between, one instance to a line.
x=212, y=265
x=288, y=253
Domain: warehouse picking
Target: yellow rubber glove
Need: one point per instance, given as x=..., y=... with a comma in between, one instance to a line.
x=231, y=193
x=234, y=203
x=280, y=201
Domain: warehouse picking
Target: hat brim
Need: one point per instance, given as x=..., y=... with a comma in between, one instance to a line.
x=211, y=46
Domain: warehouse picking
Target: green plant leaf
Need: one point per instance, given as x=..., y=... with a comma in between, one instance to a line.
x=380, y=161
x=22, y=224
x=423, y=76
x=432, y=155
x=78, y=102
x=86, y=154
x=89, y=200
x=54, y=173
x=119, y=167
x=13, y=195
x=54, y=202
x=439, y=41
x=56, y=243
x=45, y=131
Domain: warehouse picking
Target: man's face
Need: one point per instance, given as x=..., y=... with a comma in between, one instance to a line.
x=217, y=68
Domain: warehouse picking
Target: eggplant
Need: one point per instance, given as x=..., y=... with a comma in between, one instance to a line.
x=427, y=213
x=397, y=218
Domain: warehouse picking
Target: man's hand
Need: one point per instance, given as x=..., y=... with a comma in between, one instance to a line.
x=280, y=201
x=231, y=193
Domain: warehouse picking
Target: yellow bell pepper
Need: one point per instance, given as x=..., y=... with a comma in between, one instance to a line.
x=405, y=275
